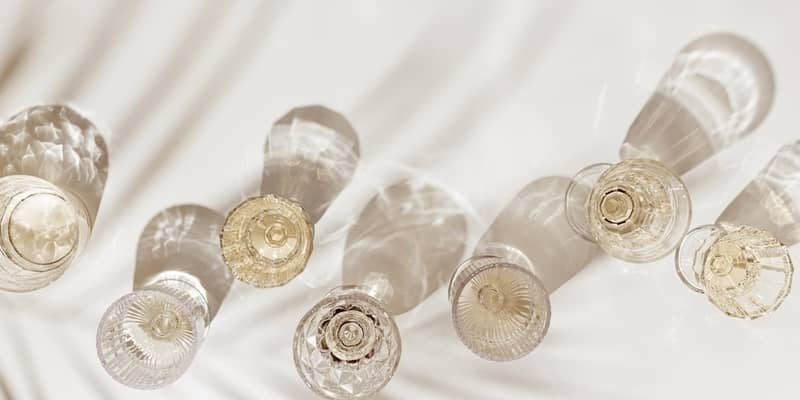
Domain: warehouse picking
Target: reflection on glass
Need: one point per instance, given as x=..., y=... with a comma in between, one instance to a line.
x=742, y=262
x=148, y=338
x=309, y=157
x=718, y=89
x=400, y=250
x=500, y=297
x=54, y=167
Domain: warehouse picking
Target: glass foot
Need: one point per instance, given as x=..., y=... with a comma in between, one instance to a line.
x=267, y=241
x=638, y=210
x=500, y=310
x=148, y=338
x=745, y=271
x=347, y=346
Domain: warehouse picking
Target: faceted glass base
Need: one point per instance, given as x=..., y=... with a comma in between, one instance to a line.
x=148, y=338
x=500, y=310
x=638, y=210
x=42, y=230
x=745, y=271
x=266, y=241
x=347, y=346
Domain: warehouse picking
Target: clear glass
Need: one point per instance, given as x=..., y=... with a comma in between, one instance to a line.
x=742, y=262
x=310, y=155
x=746, y=272
x=500, y=309
x=348, y=345
x=637, y=210
x=148, y=338
x=55, y=167
x=499, y=298
x=400, y=249
x=719, y=89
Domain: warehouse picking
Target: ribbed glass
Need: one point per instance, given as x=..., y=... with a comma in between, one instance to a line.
x=148, y=338
x=500, y=310
x=347, y=346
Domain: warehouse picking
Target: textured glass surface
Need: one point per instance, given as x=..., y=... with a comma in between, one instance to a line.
x=500, y=310
x=42, y=229
x=309, y=157
x=638, y=210
x=347, y=346
x=147, y=339
x=745, y=271
x=54, y=165
x=60, y=145
x=266, y=241
x=771, y=201
x=718, y=89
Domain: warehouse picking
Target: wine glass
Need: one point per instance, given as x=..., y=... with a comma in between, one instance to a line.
x=719, y=89
x=742, y=262
x=310, y=155
x=54, y=166
x=400, y=249
x=500, y=297
x=148, y=338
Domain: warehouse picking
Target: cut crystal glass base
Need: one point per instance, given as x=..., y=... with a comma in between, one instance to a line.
x=347, y=346
x=500, y=310
x=266, y=241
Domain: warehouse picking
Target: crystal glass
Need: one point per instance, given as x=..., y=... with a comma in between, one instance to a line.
x=500, y=297
x=742, y=262
x=719, y=89
x=309, y=157
x=746, y=272
x=399, y=250
x=148, y=338
x=348, y=345
x=54, y=167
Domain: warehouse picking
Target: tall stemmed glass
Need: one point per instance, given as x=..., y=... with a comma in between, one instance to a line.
x=719, y=89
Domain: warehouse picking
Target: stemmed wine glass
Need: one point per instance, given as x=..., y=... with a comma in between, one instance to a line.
x=742, y=262
x=719, y=89
x=401, y=249
x=54, y=166
x=310, y=155
x=148, y=338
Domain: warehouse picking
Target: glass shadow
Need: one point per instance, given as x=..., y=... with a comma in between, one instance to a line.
x=184, y=238
x=405, y=243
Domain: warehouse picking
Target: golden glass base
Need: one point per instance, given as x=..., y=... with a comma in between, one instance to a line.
x=266, y=241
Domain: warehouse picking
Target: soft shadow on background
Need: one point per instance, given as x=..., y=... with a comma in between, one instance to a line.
x=408, y=239
x=534, y=223
x=185, y=238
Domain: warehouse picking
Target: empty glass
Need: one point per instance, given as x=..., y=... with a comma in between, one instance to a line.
x=54, y=167
x=500, y=297
x=148, y=338
x=742, y=262
x=401, y=248
x=718, y=89
x=310, y=155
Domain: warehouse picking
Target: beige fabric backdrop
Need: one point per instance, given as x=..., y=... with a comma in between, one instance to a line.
x=481, y=97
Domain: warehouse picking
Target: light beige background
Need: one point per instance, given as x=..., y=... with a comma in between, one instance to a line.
x=479, y=96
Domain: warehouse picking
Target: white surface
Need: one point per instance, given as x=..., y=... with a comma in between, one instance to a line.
x=483, y=95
